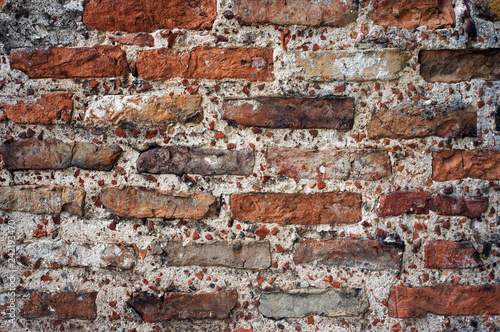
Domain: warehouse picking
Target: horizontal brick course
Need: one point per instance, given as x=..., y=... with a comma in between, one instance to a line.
x=45, y=109
x=63, y=305
x=451, y=255
x=459, y=164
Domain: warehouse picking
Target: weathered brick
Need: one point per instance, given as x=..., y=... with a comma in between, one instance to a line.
x=183, y=159
x=414, y=122
x=447, y=205
x=367, y=165
x=50, y=200
x=51, y=154
x=138, y=202
x=458, y=164
x=176, y=305
x=57, y=254
x=283, y=112
x=359, y=65
x=80, y=62
x=45, y=109
x=239, y=255
x=211, y=63
x=302, y=303
x=420, y=202
x=451, y=255
x=335, y=13
x=446, y=300
x=149, y=15
x=488, y=9
x=157, y=110
x=141, y=39
x=321, y=208
x=413, y=13
x=64, y=305
x=400, y=202
x=368, y=254
x=451, y=66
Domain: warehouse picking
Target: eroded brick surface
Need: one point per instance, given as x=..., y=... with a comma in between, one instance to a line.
x=458, y=164
x=45, y=109
x=451, y=255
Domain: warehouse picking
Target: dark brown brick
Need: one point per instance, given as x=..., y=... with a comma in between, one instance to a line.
x=414, y=122
x=451, y=66
x=369, y=254
x=65, y=305
x=335, y=13
x=175, y=305
x=400, y=202
x=80, y=62
x=451, y=255
x=458, y=164
x=447, y=205
x=238, y=255
x=137, y=202
x=413, y=13
x=45, y=109
x=367, y=165
x=253, y=64
x=445, y=300
x=50, y=154
x=149, y=15
x=183, y=159
x=322, y=208
x=282, y=112
x=50, y=200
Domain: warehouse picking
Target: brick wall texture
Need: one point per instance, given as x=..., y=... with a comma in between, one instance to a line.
x=249, y=165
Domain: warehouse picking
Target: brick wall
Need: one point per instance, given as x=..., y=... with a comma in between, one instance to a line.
x=245, y=165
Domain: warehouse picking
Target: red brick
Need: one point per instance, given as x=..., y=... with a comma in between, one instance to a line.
x=322, y=208
x=445, y=300
x=302, y=113
x=451, y=66
x=369, y=254
x=414, y=13
x=414, y=122
x=65, y=305
x=458, y=164
x=50, y=154
x=447, y=205
x=80, y=62
x=174, y=305
x=137, y=202
x=400, y=202
x=149, y=15
x=141, y=39
x=451, y=255
x=335, y=13
x=210, y=63
x=45, y=109
x=367, y=165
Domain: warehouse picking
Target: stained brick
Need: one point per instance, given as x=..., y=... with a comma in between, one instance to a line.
x=238, y=255
x=51, y=154
x=45, y=109
x=367, y=165
x=400, y=202
x=322, y=208
x=80, y=62
x=333, y=13
x=64, y=305
x=184, y=159
x=303, y=303
x=413, y=13
x=414, y=122
x=176, y=305
x=369, y=254
x=50, y=200
x=458, y=206
x=458, y=164
x=445, y=300
x=157, y=110
x=210, y=63
x=487, y=9
x=451, y=255
x=58, y=254
x=149, y=15
x=138, y=202
x=359, y=65
x=451, y=66
x=302, y=113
